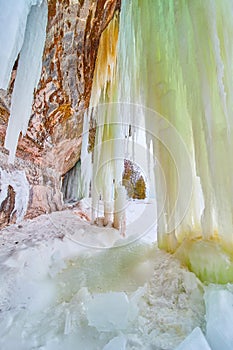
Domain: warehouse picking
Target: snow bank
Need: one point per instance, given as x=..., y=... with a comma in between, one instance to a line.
x=56, y=294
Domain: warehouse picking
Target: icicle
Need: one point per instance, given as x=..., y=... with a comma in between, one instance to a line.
x=72, y=186
x=174, y=58
x=13, y=19
x=28, y=74
x=178, y=59
x=86, y=156
x=119, y=210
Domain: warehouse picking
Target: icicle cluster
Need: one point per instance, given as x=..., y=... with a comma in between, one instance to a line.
x=18, y=181
x=105, y=175
x=175, y=58
x=23, y=31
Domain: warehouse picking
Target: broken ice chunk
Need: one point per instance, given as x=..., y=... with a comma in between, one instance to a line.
x=57, y=264
x=194, y=341
x=108, y=311
x=117, y=343
x=219, y=317
x=134, y=300
x=67, y=322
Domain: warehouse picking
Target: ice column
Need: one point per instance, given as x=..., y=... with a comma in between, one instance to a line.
x=108, y=150
x=119, y=209
x=176, y=58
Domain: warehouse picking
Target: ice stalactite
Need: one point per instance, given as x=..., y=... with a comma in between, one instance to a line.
x=18, y=181
x=72, y=187
x=24, y=27
x=13, y=19
x=175, y=57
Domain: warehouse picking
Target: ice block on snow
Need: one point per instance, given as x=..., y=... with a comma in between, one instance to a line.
x=219, y=317
x=109, y=311
x=194, y=341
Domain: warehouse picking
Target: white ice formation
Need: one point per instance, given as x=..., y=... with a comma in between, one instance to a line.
x=219, y=317
x=23, y=32
x=195, y=341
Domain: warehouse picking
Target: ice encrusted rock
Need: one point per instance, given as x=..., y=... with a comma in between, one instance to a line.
x=17, y=179
x=194, y=341
x=109, y=311
x=13, y=19
x=117, y=343
x=28, y=37
x=219, y=317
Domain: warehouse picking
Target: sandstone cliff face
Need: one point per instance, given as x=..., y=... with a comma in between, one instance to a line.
x=52, y=144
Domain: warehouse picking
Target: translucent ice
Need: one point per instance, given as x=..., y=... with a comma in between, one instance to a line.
x=195, y=341
x=28, y=74
x=117, y=343
x=13, y=19
x=188, y=48
x=108, y=311
x=219, y=317
x=72, y=186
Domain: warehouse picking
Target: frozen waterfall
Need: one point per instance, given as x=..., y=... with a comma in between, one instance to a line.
x=174, y=59
x=23, y=32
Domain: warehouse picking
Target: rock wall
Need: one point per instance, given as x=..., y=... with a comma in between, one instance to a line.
x=52, y=144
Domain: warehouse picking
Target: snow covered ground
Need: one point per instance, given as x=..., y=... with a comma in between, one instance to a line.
x=62, y=287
